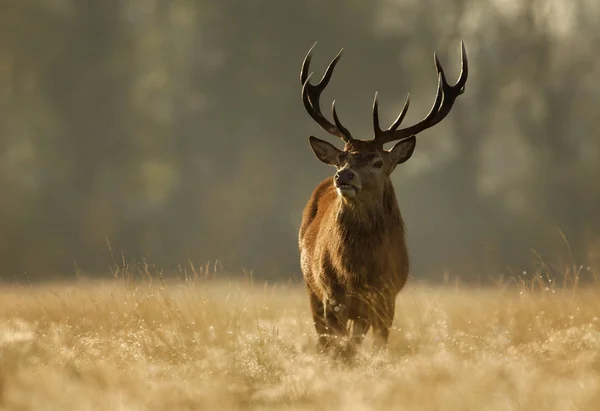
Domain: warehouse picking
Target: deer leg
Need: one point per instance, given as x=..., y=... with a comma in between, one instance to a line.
x=359, y=315
x=382, y=319
x=336, y=316
x=329, y=319
x=359, y=327
x=318, y=314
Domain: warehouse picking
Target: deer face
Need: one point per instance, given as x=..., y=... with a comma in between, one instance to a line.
x=363, y=167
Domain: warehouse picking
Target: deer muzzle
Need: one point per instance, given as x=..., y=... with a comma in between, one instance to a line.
x=346, y=183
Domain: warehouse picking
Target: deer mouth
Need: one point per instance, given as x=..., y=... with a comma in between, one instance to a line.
x=346, y=190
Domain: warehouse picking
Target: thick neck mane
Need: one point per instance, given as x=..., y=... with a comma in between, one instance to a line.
x=369, y=221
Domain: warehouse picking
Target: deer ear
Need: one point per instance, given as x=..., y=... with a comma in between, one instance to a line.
x=402, y=150
x=324, y=151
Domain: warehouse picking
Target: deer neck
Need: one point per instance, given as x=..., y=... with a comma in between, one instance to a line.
x=376, y=215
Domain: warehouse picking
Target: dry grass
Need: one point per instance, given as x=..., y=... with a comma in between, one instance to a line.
x=227, y=346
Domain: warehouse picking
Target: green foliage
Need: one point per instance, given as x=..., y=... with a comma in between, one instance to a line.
x=175, y=130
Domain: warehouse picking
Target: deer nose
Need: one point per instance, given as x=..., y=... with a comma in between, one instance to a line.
x=344, y=177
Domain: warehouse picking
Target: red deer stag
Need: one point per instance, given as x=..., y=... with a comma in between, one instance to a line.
x=352, y=245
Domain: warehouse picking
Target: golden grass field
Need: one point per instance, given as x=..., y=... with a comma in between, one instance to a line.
x=218, y=345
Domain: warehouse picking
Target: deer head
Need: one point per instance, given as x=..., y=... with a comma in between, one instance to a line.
x=364, y=166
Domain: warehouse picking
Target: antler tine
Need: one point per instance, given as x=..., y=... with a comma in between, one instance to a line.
x=306, y=65
x=400, y=117
x=391, y=134
x=312, y=93
x=376, y=126
x=444, y=100
x=378, y=131
x=338, y=124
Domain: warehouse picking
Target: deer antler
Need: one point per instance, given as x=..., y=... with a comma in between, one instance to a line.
x=311, y=94
x=444, y=100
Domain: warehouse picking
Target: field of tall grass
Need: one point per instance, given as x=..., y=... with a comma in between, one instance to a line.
x=234, y=345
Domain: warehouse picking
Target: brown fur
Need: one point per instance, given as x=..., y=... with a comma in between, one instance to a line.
x=353, y=256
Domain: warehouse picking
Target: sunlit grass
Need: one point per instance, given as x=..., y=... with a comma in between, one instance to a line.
x=197, y=344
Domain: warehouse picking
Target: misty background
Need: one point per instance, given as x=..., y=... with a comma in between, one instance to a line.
x=174, y=132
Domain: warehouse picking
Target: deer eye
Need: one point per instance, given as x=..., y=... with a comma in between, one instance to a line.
x=378, y=164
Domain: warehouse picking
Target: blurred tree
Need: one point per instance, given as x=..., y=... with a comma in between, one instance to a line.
x=175, y=129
